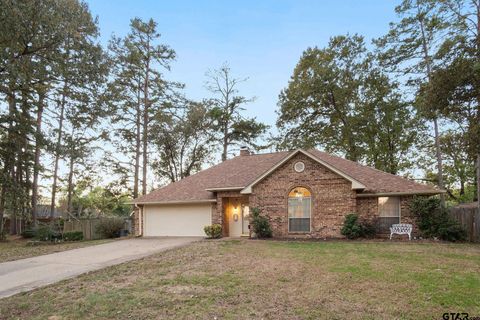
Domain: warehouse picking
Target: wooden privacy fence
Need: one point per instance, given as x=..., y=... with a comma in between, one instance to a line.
x=469, y=218
x=88, y=227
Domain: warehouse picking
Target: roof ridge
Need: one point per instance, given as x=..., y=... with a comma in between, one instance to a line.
x=265, y=153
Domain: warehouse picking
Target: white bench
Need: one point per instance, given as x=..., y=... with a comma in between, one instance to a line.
x=401, y=228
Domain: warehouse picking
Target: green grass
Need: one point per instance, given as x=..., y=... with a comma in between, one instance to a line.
x=246, y=279
x=19, y=248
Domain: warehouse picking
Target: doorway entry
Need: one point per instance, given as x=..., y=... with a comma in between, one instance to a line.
x=236, y=217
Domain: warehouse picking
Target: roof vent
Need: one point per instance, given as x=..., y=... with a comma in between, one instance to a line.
x=299, y=166
x=244, y=151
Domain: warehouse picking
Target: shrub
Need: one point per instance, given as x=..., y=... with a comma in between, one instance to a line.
x=214, y=231
x=29, y=233
x=434, y=221
x=369, y=230
x=110, y=227
x=73, y=236
x=43, y=232
x=353, y=228
x=260, y=224
x=47, y=232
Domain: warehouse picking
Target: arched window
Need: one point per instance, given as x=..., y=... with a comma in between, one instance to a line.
x=299, y=210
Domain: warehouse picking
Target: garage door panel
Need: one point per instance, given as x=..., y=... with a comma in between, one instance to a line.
x=177, y=220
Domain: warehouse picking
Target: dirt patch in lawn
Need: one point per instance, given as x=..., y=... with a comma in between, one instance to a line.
x=270, y=280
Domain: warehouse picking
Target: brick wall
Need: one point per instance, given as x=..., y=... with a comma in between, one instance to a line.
x=367, y=209
x=332, y=198
x=136, y=221
x=406, y=216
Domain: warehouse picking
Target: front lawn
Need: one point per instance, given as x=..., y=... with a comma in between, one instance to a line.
x=248, y=279
x=20, y=248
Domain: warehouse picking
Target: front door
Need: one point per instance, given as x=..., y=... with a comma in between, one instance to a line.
x=237, y=217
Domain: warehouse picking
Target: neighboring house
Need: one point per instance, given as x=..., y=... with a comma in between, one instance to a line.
x=303, y=193
x=43, y=213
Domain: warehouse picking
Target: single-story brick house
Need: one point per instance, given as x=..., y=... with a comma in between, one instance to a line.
x=303, y=194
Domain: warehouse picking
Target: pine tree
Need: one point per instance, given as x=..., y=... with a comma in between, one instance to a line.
x=141, y=91
x=410, y=48
x=454, y=86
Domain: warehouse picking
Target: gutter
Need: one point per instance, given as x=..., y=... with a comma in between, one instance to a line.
x=175, y=202
x=404, y=193
x=224, y=189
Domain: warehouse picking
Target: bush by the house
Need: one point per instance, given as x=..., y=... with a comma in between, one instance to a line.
x=73, y=236
x=214, y=231
x=260, y=224
x=434, y=221
x=110, y=227
x=353, y=228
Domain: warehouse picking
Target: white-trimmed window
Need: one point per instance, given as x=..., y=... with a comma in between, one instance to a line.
x=388, y=212
x=299, y=210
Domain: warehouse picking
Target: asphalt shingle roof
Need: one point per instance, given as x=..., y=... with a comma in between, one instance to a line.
x=240, y=171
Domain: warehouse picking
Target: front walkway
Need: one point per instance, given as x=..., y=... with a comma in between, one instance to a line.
x=27, y=274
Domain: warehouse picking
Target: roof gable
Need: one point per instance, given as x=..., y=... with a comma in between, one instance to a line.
x=356, y=185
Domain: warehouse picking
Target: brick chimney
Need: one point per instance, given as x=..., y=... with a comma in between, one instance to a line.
x=244, y=151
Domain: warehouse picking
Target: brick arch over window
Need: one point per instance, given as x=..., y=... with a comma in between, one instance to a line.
x=299, y=210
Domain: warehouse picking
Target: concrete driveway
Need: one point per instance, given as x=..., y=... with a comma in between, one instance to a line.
x=27, y=274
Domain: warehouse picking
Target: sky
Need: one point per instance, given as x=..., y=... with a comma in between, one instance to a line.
x=262, y=40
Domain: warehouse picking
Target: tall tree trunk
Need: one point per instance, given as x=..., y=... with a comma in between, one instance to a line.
x=438, y=152
x=145, y=122
x=57, y=150
x=227, y=115
x=70, y=175
x=36, y=164
x=23, y=168
x=70, y=184
x=477, y=6
x=14, y=206
x=439, y=160
x=225, y=142
x=138, y=133
x=2, y=208
x=478, y=180
x=9, y=159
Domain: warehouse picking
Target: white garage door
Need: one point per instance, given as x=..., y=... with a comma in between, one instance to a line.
x=176, y=220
